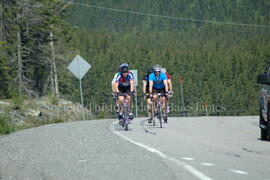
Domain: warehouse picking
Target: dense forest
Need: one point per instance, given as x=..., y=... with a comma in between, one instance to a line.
x=218, y=47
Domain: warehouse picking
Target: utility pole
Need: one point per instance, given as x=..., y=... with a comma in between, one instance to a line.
x=181, y=79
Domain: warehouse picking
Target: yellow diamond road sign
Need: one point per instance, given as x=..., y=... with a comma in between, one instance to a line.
x=79, y=67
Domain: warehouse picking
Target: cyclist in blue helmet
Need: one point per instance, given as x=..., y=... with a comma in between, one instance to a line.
x=114, y=88
x=125, y=84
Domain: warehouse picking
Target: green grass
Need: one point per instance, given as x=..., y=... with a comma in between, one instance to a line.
x=5, y=125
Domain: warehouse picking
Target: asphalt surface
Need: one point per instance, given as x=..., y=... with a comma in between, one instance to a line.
x=186, y=148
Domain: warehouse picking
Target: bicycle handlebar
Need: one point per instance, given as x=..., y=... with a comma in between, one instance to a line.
x=159, y=94
x=124, y=94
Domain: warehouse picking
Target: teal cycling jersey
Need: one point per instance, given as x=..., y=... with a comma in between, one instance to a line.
x=158, y=80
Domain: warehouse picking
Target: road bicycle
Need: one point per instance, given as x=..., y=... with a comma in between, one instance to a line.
x=126, y=109
x=157, y=109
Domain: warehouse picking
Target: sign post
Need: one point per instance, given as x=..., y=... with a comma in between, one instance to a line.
x=79, y=67
x=135, y=73
x=181, y=80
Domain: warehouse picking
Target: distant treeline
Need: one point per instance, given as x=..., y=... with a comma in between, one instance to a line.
x=218, y=62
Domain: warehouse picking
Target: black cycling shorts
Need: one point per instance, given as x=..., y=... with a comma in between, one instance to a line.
x=124, y=89
x=159, y=91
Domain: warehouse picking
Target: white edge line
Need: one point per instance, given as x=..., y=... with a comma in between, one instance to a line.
x=207, y=164
x=188, y=167
x=239, y=171
x=188, y=158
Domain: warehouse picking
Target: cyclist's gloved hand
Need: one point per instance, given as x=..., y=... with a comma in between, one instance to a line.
x=144, y=95
x=114, y=95
x=132, y=93
x=151, y=95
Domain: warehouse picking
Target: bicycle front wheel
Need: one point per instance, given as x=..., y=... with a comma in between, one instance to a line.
x=126, y=116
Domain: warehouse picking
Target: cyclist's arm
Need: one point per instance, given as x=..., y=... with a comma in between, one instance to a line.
x=116, y=84
x=131, y=85
x=113, y=87
x=144, y=86
x=166, y=85
x=170, y=84
x=150, y=87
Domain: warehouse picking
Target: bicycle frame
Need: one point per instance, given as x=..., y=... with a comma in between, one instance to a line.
x=158, y=108
x=125, y=107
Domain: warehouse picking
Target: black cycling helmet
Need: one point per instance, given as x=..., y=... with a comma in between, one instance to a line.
x=150, y=70
x=123, y=65
x=124, y=69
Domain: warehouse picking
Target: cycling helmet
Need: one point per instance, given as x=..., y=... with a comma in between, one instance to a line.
x=123, y=65
x=124, y=69
x=150, y=70
x=157, y=68
x=163, y=70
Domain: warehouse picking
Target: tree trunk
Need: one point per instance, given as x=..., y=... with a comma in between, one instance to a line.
x=54, y=79
x=20, y=64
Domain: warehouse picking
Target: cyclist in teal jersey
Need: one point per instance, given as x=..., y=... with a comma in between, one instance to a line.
x=158, y=83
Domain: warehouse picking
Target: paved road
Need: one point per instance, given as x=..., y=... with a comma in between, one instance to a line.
x=186, y=148
x=218, y=147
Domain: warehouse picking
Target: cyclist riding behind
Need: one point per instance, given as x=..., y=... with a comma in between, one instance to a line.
x=147, y=94
x=170, y=91
x=125, y=85
x=158, y=83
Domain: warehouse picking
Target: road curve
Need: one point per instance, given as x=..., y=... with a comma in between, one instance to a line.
x=77, y=150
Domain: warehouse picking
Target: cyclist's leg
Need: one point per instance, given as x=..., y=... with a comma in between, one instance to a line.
x=115, y=98
x=120, y=102
x=155, y=97
x=116, y=108
x=129, y=97
x=149, y=104
x=167, y=105
x=164, y=102
x=149, y=108
x=164, y=106
x=130, y=106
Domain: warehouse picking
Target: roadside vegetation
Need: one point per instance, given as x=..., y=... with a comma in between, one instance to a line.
x=18, y=113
